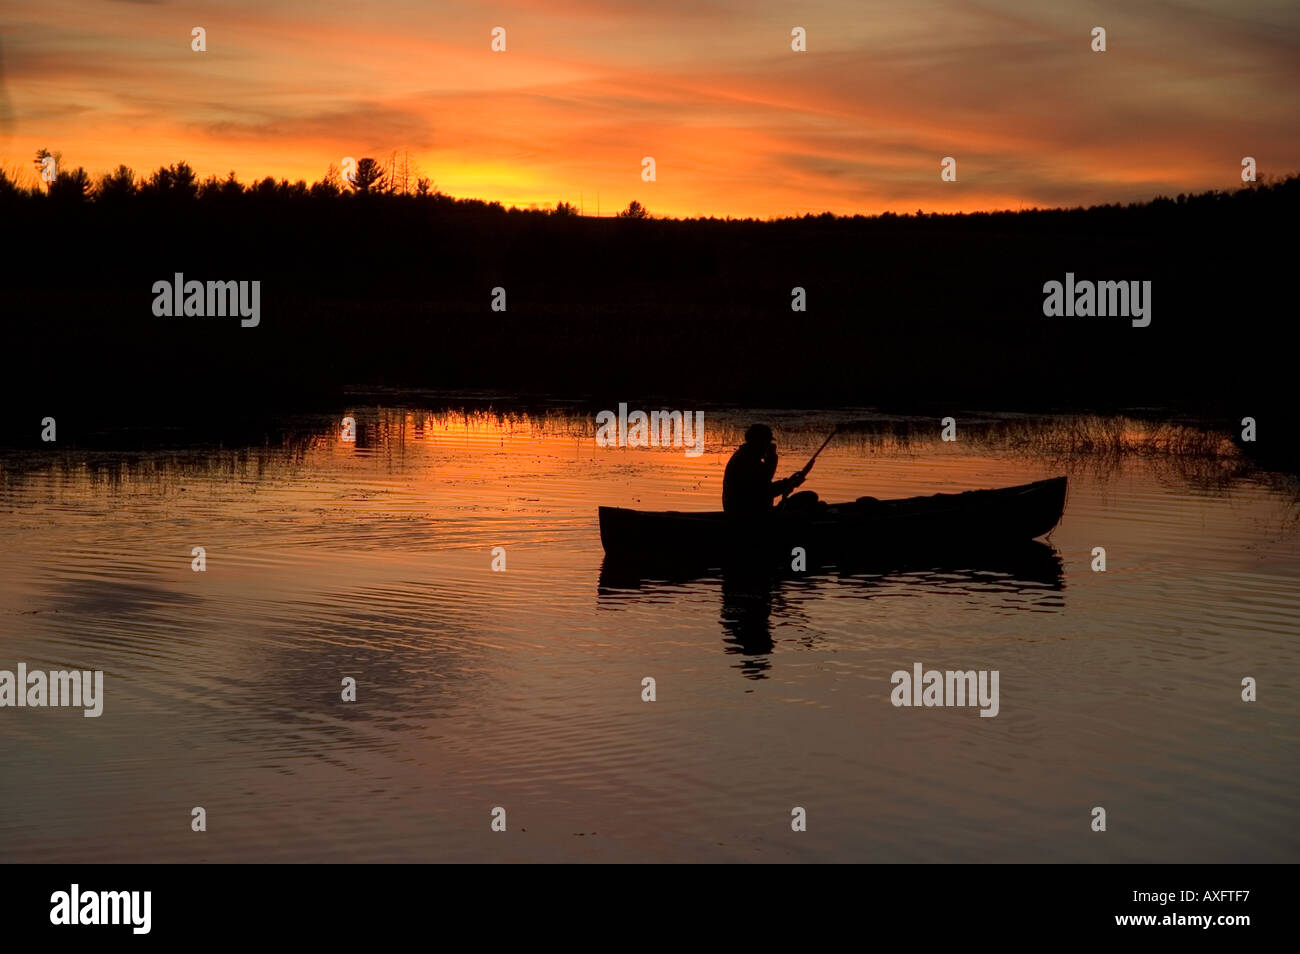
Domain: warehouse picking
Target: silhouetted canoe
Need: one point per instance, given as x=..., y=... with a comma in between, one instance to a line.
x=973, y=521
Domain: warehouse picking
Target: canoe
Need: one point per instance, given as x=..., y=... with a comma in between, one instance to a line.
x=973, y=521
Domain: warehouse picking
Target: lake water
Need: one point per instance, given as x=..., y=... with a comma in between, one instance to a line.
x=522, y=689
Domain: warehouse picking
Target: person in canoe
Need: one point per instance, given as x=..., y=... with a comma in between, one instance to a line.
x=747, y=485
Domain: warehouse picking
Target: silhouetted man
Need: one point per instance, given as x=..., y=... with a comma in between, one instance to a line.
x=747, y=485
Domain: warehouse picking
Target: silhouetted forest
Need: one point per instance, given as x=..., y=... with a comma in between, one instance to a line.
x=379, y=286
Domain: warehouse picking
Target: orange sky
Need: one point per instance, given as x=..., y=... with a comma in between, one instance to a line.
x=737, y=122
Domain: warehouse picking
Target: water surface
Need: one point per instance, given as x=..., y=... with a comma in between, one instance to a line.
x=522, y=688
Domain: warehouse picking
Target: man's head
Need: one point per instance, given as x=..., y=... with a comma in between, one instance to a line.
x=760, y=435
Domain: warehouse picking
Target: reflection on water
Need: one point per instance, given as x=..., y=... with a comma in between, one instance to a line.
x=372, y=559
x=1029, y=575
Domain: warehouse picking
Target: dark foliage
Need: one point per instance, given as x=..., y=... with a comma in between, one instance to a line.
x=380, y=289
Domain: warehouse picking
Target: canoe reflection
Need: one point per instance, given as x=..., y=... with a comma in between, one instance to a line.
x=1032, y=572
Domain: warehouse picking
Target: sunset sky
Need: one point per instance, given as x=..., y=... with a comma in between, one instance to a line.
x=737, y=122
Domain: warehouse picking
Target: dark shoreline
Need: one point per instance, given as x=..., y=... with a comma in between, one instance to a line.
x=392, y=294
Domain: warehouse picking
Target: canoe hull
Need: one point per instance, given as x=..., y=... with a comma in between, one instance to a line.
x=973, y=521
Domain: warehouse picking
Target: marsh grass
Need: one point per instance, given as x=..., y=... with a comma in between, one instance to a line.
x=1198, y=454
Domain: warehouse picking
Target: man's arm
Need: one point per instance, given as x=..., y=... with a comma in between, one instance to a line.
x=781, y=487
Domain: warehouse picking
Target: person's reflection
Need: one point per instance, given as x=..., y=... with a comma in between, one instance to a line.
x=747, y=620
x=1032, y=573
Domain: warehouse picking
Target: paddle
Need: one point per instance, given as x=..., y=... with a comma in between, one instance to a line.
x=808, y=466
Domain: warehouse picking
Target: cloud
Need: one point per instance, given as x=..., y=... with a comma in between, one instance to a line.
x=737, y=122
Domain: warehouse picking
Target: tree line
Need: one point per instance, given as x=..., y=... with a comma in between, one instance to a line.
x=368, y=177
x=398, y=178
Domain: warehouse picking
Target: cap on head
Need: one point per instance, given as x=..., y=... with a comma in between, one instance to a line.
x=758, y=434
